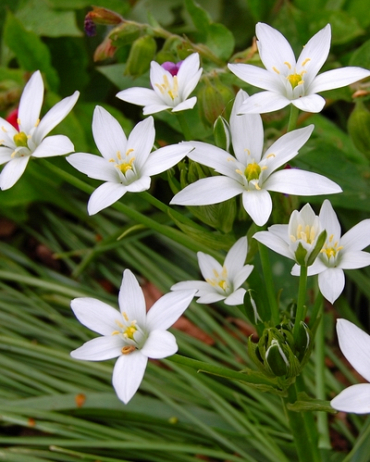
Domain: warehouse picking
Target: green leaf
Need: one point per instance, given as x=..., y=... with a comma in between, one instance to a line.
x=114, y=73
x=198, y=15
x=31, y=53
x=38, y=17
x=220, y=40
x=361, y=57
x=344, y=27
x=305, y=403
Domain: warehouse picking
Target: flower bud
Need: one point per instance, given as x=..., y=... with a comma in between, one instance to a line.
x=303, y=343
x=141, y=54
x=125, y=33
x=104, y=16
x=221, y=133
x=277, y=359
x=359, y=128
x=104, y=50
x=211, y=103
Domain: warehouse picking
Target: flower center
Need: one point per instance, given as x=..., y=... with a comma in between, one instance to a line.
x=252, y=171
x=219, y=280
x=126, y=164
x=132, y=335
x=306, y=234
x=166, y=88
x=295, y=80
x=20, y=140
x=330, y=249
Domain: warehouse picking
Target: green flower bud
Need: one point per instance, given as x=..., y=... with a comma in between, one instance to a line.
x=221, y=132
x=125, y=34
x=277, y=359
x=141, y=54
x=303, y=344
x=359, y=128
x=318, y=246
x=211, y=103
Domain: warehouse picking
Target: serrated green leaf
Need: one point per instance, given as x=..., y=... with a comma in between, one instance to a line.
x=31, y=53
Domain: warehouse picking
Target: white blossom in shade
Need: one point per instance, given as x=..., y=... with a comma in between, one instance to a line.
x=132, y=335
x=251, y=172
x=170, y=90
x=289, y=81
x=355, y=346
x=339, y=253
x=127, y=163
x=18, y=146
x=303, y=230
x=221, y=282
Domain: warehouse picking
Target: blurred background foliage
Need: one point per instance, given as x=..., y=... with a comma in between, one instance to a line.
x=54, y=408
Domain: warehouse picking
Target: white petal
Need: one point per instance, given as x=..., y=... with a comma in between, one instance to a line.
x=93, y=166
x=236, y=256
x=164, y=158
x=5, y=155
x=300, y=183
x=338, y=78
x=258, y=205
x=154, y=108
x=160, y=344
x=131, y=298
x=54, y=116
x=358, y=237
x=314, y=54
x=264, y=101
x=355, y=345
x=191, y=285
x=12, y=171
x=7, y=133
x=104, y=196
x=108, y=134
x=310, y=103
x=184, y=105
x=141, y=141
x=211, y=297
x=273, y=47
x=99, y=349
x=56, y=145
x=329, y=220
x=246, y=132
x=128, y=374
x=31, y=102
x=355, y=398
x=208, y=191
x=257, y=77
x=208, y=265
x=236, y=298
x=274, y=243
x=354, y=259
x=189, y=75
x=140, y=96
x=168, y=309
x=331, y=283
x=242, y=276
x=214, y=157
x=96, y=315
x=139, y=185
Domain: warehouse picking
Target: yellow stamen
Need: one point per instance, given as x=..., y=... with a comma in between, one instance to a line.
x=119, y=157
x=128, y=349
x=257, y=186
x=247, y=151
x=18, y=121
x=263, y=168
x=125, y=166
x=288, y=64
x=270, y=155
x=125, y=316
x=276, y=70
x=115, y=332
x=37, y=122
x=129, y=151
x=306, y=61
x=230, y=159
x=130, y=331
x=4, y=129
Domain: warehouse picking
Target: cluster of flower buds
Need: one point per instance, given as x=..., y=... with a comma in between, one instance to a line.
x=277, y=353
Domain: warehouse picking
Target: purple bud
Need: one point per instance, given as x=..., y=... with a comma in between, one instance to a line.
x=172, y=68
x=90, y=27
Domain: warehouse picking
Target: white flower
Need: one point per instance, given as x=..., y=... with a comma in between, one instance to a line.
x=18, y=146
x=298, y=239
x=289, y=81
x=355, y=345
x=338, y=253
x=252, y=173
x=169, y=91
x=222, y=282
x=132, y=335
x=127, y=164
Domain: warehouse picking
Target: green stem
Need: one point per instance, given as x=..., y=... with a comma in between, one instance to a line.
x=303, y=443
x=269, y=283
x=317, y=307
x=293, y=117
x=181, y=117
x=322, y=417
x=301, y=308
x=165, y=230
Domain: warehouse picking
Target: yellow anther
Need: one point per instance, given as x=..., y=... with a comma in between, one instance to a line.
x=129, y=151
x=119, y=157
x=3, y=129
x=288, y=64
x=111, y=160
x=270, y=155
x=263, y=168
x=18, y=121
x=276, y=70
x=306, y=61
x=239, y=171
x=36, y=124
x=115, y=332
x=128, y=349
x=125, y=316
x=230, y=159
x=247, y=151
x=160, y=88
x=222, y=284
x=257, y=186
x=215, y=272
x=119, y=324
x=331, y=237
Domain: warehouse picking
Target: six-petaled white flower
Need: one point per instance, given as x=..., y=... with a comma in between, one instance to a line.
x=127, y=164
x=295, y=240
x=170, y=88
x=287, y=80
x=355, y=345
x=252, y=173
x=18, y=146
x=339, y=253
x=221, y=282
x=131, y=334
